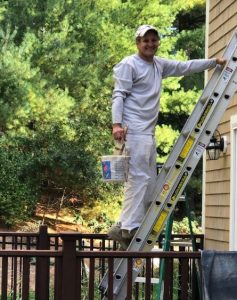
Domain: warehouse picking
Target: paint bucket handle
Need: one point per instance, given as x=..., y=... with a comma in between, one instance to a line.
x=120, y=145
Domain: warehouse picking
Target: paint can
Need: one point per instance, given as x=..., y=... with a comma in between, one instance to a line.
x=115, y=168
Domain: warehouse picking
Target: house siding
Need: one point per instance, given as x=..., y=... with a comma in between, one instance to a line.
x=222, y=21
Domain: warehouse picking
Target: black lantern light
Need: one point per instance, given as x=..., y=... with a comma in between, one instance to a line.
x=217, y=145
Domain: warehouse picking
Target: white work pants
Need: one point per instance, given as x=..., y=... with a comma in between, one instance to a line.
x=141, y=180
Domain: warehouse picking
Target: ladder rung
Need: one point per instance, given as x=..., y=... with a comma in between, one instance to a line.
x=143, y=280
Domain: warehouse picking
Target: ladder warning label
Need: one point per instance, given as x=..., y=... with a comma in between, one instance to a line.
x=160, y=222
x=138, y=262
x=199, y=150
x=165, y=190
x=179, y=186
x=166, y=187
x=186, y=148
x=204, y=114
x=168, y=184
x=227, y=73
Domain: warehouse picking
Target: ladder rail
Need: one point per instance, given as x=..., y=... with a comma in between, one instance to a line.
x=193, y=118
x=205, y=96
x=207, y=109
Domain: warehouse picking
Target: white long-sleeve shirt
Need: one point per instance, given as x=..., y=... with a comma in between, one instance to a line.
x=136, y=94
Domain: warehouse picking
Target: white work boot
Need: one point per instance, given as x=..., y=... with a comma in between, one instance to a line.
x=129, y=234
x=115, y=233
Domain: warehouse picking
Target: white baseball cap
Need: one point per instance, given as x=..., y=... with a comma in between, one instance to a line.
x=142, y=30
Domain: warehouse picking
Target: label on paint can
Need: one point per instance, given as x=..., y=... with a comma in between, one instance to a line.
x=115, y=168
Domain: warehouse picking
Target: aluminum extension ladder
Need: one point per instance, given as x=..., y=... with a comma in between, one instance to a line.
x=177, y=170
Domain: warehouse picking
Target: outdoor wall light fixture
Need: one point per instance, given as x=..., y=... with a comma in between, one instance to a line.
x=217, y=145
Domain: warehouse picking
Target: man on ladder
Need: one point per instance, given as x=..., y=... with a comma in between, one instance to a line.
x=135, y=105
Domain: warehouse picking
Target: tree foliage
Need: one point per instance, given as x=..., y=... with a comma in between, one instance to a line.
x=55, y=88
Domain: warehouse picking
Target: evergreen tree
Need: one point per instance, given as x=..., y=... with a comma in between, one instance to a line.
x=56, y=83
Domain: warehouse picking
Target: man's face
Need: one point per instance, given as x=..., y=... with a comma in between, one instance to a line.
x=148, y=45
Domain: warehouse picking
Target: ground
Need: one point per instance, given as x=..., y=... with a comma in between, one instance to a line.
x=57, y=221
x=69, y=213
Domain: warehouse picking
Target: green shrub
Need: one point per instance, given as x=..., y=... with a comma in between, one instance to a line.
x=18, y=192
x=183, y=226
x=101, y=214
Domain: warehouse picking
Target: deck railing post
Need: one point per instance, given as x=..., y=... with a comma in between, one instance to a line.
x=42, y=266
x=69, y=267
